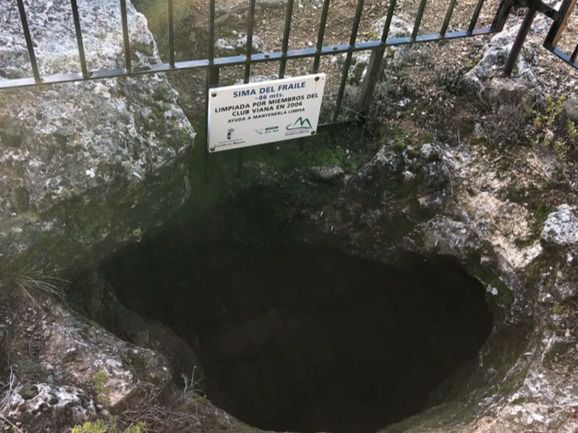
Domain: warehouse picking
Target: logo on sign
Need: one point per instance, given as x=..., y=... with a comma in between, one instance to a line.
x=269, y=130
x=230, y=134
x=300, y=125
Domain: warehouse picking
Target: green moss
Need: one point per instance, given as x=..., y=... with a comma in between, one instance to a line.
x=28, y=392
x=550, y=128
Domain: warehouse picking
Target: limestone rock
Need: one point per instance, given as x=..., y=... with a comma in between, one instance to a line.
x=61, y=347
x=327, y=173
x=561, y=227
x=85, y=167
x=43, y=407
x=494, y=57
x=231, y=47
x=399, y=28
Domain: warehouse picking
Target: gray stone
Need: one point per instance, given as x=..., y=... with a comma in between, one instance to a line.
x=85, y=167
x=399, y=28
x=56, y=407
x=327, y=173
x=493, y=60
x=74, y=351
x=231, y=47
x=561, y=227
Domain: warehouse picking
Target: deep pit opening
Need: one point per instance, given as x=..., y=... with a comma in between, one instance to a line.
x=305, y=340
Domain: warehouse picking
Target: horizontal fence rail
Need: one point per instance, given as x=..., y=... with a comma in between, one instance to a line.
x=315, y=52
x=567, y=10
x=247, y=59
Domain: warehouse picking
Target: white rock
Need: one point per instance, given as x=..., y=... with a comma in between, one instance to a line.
x=561, y=227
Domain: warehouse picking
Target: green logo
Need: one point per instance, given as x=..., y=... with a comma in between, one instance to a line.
x=300, y=124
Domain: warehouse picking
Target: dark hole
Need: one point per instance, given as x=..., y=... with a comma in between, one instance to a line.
x=307, y=340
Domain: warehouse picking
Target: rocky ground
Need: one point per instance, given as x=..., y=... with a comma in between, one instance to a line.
x=455, y=161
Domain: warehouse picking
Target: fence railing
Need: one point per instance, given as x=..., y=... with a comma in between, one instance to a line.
x=377, y=47
x=559, y=28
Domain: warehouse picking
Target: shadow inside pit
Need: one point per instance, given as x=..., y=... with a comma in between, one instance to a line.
x=306, y=340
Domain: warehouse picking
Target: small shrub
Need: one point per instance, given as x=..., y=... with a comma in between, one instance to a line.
x=29, y=281
x=100, y=426
x=90, y=427
x=99, y=383
x=550, y=128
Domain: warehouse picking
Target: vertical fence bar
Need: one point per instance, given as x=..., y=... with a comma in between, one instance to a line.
x=211, y=41
x=574, y=55
x=125, y=36
x=249, y=48
x=475, y=17
x=286, y=34
x=28, y=38
x=560, y=24
x=374, y=67
x=321, y=35
x=347, y=65
x=502, y=15
x=418, y=20
x=212, y=72
x=388, y=19
x=448, y=18
x=247, y=77
x=521, y=38
x=212, y=81
x=79, y=42
x=171, y=34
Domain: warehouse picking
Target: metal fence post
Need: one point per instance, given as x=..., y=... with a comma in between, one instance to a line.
x=559, y=26
x=375, y=65
x=521, y=38
x=502, y=15
x=372, y=76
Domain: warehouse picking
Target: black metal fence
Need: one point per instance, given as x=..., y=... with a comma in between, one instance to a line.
x=559, y=28
x=376, y=46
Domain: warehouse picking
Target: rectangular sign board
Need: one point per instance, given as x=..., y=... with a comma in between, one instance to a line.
x=264, y=112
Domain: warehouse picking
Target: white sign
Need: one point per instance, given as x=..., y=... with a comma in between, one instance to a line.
x=264, y=112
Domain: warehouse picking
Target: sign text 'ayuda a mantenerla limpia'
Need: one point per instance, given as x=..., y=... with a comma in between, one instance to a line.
x=264, y=112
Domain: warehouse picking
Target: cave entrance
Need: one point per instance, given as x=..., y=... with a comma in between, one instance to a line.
x=297, y=339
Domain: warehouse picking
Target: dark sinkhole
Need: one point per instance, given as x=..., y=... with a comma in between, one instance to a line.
x=307, y=340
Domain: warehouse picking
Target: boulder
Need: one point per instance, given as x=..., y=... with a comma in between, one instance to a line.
x=49, y=342
x=561, y=227
x=42, y=407
x=84, y=167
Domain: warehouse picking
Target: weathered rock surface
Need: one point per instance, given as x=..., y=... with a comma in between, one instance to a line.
x=530, y=385
x=561, y=227
x=41, y=407
x=486, y=74
x=84, y=167
x=60, y=347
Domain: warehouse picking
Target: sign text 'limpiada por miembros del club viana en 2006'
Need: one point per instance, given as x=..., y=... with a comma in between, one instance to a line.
x=265, y=112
